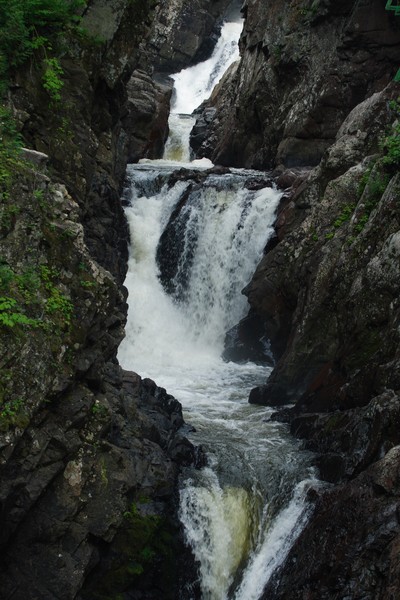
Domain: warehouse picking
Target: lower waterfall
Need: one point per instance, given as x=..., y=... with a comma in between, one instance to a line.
x=243, y=509
x=196, y=238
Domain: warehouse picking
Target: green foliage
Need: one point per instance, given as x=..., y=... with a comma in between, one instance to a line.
x=6, y=277
x=12, y=413
x=344, y=216
x=56, y=303
x=9, y=137
x=374, y=183
x=88, y=284
x=10, y=145
x=33, y=291
x=11, y=165
x=28, y=25
x=99, y=409
x=7, y=216
x=28, y=284
x=391, y=143
x=11, y=315
x=51, y=79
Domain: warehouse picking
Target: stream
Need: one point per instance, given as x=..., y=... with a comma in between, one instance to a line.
x=195, y=243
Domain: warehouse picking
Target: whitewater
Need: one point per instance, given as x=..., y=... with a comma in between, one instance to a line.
x=242, y=511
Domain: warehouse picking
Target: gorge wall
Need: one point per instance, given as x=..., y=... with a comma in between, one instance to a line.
x=314, y=98
x=89, y=454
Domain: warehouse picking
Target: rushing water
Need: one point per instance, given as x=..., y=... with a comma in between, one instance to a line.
x=194, y=85
x=242, y=511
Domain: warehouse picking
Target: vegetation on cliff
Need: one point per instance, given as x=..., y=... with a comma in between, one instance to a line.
x=30, y=29
x=76, y=444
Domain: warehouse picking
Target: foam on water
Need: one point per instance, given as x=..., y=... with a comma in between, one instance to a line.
x=195, y=84
x=242, y=512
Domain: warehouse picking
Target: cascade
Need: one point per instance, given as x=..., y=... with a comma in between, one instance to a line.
x=195, y=242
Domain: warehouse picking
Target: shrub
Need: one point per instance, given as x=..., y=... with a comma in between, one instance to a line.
x=391, y=143
x=26, y=25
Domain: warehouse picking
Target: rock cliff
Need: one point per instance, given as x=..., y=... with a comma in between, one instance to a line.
x=302, y=70
x=89, y=454
x=313, y=97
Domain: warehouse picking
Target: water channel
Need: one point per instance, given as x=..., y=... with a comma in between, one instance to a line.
x=242, y=511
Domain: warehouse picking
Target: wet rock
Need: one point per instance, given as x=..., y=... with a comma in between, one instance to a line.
x=324, y=273
x=298, y=79
x=353, y=438
x=269, y=395
x=148, y=110
x=246, y=342
x=66, y=507
x=184, y=33
x=173, y=274
x=38, y=158
x=82, y=445
x=350, y=545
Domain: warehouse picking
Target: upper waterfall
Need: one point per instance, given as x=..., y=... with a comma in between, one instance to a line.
x=197, y=235
x=194, y=85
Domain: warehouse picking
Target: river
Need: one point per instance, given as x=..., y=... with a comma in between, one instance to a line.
x=195, y=242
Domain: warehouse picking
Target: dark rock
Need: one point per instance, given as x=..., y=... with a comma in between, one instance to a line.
x=184, y=33
x=269, y=395
x=258, y=183
x=350, y=545
x=59, y=504
x=82, y=445
x=301, y=74
x=324, y=321
x=272, y=242
x=200, y=129
x=290, y=178
x=356, y=437
x=173, y=275
x=146, y=122
x=246, y=342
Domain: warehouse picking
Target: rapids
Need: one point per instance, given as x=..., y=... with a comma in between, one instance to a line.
x=242, y=511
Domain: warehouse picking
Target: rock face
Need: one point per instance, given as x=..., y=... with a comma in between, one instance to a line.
x=302, y=71
x=89, y=454
x=351, y=547
x=313, y=97
x=332, y=278
x=184, y=32
x=148, y=112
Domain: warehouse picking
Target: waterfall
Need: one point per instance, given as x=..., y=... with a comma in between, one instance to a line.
x=194, y=85
x=197, y=237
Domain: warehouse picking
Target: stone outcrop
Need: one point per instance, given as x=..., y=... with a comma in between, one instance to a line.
x=147, y=115
x=89, y=454
x=302, y=71
x=314, y=98
x=351, y=547
x=326, y=279
x=184, y=32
